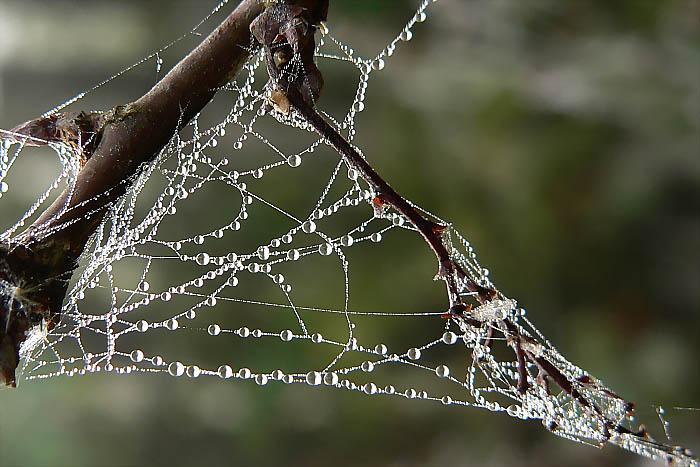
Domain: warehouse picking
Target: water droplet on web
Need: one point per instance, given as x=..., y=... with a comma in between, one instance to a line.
x=513, y=410
x=293, y=255
x=202, y=259
x=449, y=338
x=421, y=17
x=414, y=353
x=352, y=174
x=286, y=335
x=294, y=161
x=376, y=237
x=316, y=338
x=367, y=366
x=358, y=106
x=194, y=371
x=137, y=356
x=406, y=35
x=308, y=226
x=264, y=253
x=381, y=349
x=325, y=249
x=261, y=380
x=347, y=240
x=313, y=378
x=144, y=286
x=4, y=187
x=176, y=369
x=225, y=372
x=378, y=64
x=442, y=371
x=214, y=330
x=172, y=324
x=330, y=379
x=244, y=373
x=142, y=326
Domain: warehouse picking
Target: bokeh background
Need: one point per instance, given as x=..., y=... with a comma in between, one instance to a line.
x=563, y=138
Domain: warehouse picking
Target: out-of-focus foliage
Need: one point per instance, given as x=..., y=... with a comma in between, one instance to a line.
x=562, y=137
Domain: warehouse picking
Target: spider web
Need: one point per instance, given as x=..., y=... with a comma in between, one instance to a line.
x=163, y=276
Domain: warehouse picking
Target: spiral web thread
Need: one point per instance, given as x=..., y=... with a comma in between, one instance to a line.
x=118, y=300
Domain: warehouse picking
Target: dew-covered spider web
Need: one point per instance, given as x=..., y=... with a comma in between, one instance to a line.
x=261, y=285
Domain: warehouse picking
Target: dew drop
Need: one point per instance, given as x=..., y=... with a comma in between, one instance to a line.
x=225, y=372
x=449, y=338
x=513, y=410
x=308, y=227
x=264, y=253
x=137, y=356
x=202, y=259
x=378, y=64
x=442, y=371
x=331, y=379
x=414, y=353
x=261, y=380
x=313, y=378
x=286, y=335
x=214, y=329
x=176, y=369
x=194, y=371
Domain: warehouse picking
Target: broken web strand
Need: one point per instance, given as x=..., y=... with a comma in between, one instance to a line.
x=89, y=340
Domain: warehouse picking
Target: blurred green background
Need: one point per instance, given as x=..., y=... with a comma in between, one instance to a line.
x=561, y=137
